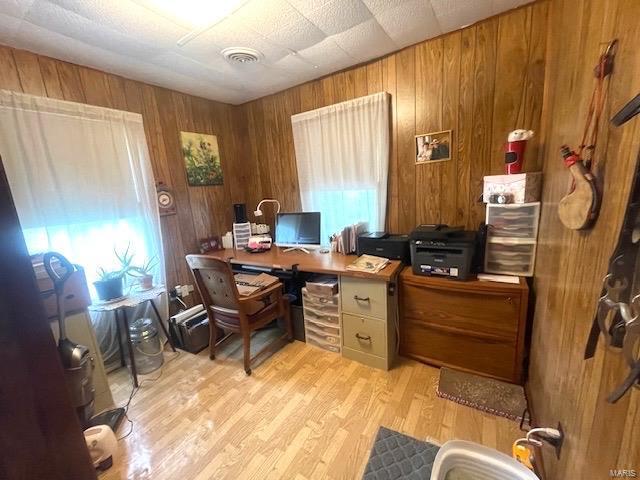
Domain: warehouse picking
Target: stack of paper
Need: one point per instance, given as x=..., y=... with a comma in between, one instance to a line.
x=368, y=264
x=249, y=284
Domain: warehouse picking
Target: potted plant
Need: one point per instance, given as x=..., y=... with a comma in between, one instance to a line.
x=143, y=273
x=110, y=285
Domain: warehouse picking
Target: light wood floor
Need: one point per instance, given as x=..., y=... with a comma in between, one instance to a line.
x=302, y=414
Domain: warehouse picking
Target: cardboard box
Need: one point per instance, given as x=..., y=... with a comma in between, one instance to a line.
x=323, y=285
x=523, y=187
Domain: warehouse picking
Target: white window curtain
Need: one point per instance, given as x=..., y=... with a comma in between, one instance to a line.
x=342, y=154
x=82, y=183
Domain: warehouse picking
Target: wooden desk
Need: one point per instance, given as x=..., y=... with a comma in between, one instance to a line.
x=367, y=303
x=313, y=262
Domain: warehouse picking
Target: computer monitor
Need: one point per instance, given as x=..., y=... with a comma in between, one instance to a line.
x=298, y=230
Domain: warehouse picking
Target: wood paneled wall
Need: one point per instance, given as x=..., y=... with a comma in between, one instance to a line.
x=201, y=211
x=481, y=82
x=570, y=267
x=448, y=82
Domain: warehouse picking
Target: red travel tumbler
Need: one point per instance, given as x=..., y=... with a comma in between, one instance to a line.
x=514, y=150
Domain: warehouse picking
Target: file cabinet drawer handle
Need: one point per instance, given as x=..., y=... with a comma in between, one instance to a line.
x=360, y=299
x=366, y=338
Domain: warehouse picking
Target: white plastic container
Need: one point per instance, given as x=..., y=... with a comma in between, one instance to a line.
x=325, y=304
x=513, y=220
x=464, y=460
x=317, y=341
x=509, y=256
x=512, y=235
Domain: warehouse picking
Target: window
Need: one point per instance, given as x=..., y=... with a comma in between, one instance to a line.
x=342, y=155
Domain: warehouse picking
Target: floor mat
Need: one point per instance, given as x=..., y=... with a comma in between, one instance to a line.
x=395, y=456
x=491, y=396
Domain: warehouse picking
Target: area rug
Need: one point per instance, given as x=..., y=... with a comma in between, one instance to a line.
x=492, y=396
x=395, y=456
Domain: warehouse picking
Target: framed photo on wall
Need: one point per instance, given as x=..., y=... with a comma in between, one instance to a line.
x=433, y=147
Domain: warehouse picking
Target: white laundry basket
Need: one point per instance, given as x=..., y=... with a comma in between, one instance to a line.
x=462, y=460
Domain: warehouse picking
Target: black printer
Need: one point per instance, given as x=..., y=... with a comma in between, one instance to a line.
x=443, y=251
x=382, y=244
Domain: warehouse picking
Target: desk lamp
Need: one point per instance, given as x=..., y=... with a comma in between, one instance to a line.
x=258, y=212
x=262, y=241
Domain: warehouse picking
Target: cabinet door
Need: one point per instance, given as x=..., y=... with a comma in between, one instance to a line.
x=440, y=347
x=496, y=314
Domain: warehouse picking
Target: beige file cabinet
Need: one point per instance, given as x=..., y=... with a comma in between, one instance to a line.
x=368, y=317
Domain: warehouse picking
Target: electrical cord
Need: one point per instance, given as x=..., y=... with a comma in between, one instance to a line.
x=548, y=434
x=135, y=389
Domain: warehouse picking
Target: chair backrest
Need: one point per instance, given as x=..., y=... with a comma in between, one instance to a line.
x=214, y=280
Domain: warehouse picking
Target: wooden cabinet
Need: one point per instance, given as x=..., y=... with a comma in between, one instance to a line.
x=473, y=326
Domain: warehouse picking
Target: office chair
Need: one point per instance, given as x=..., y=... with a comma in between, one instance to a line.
x=232, y=312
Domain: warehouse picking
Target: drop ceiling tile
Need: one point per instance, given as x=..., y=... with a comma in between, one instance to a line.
x=454, y=14
x=70, y=24
x=192, y=68
x=254, y=76
x=339, y=15
x=327, y=56
x=299, y=71
x=298, y=35
x=37, y=39
x=129, y=38
x=365, y=41
x=409, y=22
x=306, y=6
x=127, y=17
x=15, y=8
x=230, y=33
x=8, y=28
x=265, y=16
x=293, y=64
x=191, y=14
x=377, y=6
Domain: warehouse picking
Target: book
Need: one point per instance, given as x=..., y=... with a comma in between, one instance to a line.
x=249, y=284
x=346, y=240
x=368, y=264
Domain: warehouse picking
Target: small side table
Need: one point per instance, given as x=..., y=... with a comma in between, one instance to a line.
x=119, y=309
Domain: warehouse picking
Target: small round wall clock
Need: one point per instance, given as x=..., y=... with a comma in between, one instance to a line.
x=166, y=200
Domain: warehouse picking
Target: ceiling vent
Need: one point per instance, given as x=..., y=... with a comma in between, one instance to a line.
x=241, y=55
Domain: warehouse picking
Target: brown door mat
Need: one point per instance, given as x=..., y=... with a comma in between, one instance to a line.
x=485, y=394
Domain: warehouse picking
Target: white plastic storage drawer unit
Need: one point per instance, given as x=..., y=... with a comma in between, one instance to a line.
x=513, y=220
x=322, y=320
x=510, y=257
x=512, y=235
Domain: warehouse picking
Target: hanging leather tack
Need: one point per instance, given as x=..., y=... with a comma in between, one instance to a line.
x=580, y=207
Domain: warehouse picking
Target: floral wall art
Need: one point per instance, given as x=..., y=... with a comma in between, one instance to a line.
x=201, y=159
